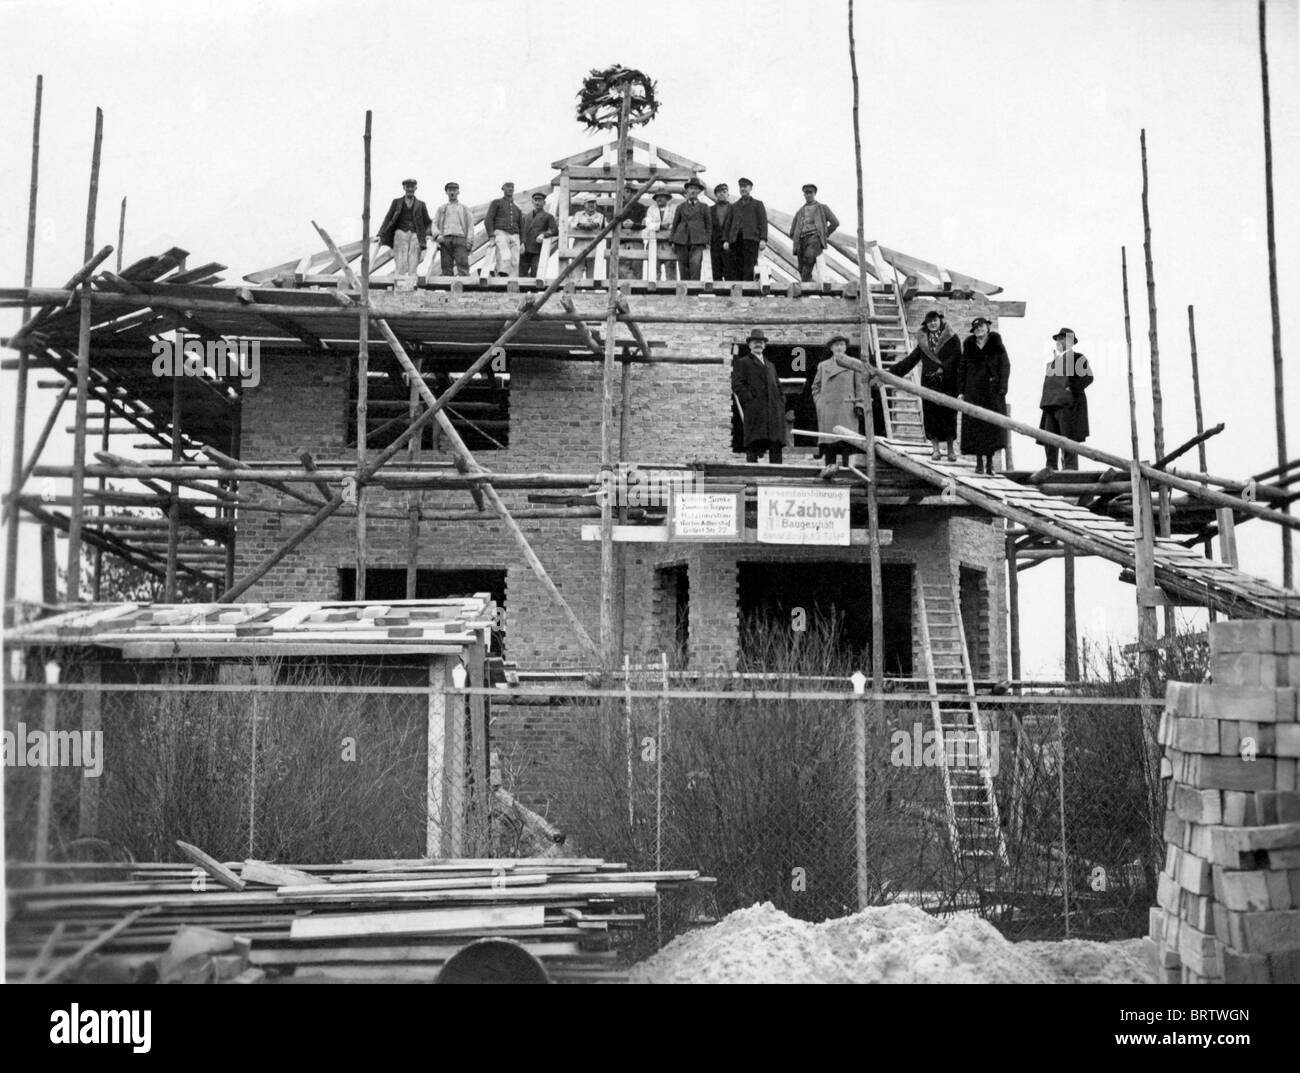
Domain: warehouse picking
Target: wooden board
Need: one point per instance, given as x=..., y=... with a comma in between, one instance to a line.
x=416, y=922
x=213, y=867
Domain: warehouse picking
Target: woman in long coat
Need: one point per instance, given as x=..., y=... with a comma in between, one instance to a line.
x=938, y=352
x=840, y=396
x=982, y=377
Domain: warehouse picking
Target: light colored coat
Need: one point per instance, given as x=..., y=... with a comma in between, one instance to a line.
x=836, y=391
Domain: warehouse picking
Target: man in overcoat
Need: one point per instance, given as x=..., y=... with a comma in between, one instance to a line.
x=762, y=405
x=839, y=394
x=1063, y=402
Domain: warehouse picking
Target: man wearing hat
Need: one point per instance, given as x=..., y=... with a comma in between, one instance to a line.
x=811, y=230
x=538, y=224
x=719, y=255
x=746, y=231
x=453, y=230
x=692, y=231
x=584, y=225
x=404, y=229
x=762, y=405
x=1063, y=402
x=839, y=394
x=659, y=218
x=504, y=224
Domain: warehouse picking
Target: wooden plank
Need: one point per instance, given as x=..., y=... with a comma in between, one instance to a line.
x=278, y=875
x=488, y=882
x=416, y=922
x=212, y=866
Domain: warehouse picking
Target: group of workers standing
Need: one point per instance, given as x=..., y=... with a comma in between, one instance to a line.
x=733, y=232
x=976, y=370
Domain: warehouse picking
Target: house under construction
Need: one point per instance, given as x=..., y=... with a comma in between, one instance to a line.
x=263, y=493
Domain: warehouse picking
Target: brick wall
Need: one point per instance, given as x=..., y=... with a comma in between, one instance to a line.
x=676, y=414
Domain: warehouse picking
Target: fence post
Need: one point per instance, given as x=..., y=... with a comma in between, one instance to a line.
x=1065, y=852
x=45, y=783
x=859, y=681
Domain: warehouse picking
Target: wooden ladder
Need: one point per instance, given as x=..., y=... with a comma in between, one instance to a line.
x=891, y=343
x=961, y=737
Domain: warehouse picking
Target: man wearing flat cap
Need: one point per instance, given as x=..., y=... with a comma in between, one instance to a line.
x=692, y=231
x=1063, y=402
x=453, y=231
x=746, y=231
x=762, y=405
x=404, y=229
x=720, y=259
x=538, y=225
x=811, y=231
x=504, y=224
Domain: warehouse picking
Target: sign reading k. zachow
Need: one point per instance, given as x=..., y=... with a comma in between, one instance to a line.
x=803, y=515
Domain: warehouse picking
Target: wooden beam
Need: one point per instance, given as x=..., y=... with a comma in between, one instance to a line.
x=1191, y=483
x=83, y=379
x=363, y=364
x=20, y=387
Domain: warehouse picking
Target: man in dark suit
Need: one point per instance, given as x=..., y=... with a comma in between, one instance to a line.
x=746, y=232
x=691, y=231
x=762, y=405
x=719, y=255
x=538, y=225
x=404, y=229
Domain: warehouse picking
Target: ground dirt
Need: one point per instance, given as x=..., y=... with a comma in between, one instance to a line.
x=890, y=944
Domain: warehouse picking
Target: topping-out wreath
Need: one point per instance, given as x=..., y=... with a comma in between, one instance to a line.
x=601, y=98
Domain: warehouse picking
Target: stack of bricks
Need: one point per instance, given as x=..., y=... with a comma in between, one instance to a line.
x=1229, y=895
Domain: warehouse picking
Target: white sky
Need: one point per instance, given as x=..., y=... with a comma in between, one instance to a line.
x=1001, y=140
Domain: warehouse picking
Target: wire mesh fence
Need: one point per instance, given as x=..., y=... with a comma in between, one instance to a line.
x=750, y=783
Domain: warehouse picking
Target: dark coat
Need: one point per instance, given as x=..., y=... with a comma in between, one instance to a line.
x=938, y=373
x=423, y=221
x=1078, y=374
x=503, y=215
x=538, y=224
x=692, y=226
x=761, y=401
x=717, y=225
x=982, y=377
x=747, y=220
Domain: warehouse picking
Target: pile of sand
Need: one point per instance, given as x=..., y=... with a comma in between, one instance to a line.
x=890, y=944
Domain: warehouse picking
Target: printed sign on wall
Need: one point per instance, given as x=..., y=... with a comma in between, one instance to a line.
x=715, y=515
x=803, y=515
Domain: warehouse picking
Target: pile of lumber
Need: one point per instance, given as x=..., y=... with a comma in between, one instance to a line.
x=358, y=920
x=1229, y=895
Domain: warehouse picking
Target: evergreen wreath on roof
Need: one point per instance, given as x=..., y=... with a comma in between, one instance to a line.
x=601, y=98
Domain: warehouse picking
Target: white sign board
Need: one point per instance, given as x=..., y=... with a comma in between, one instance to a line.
x=803, y=515
x=706, y=516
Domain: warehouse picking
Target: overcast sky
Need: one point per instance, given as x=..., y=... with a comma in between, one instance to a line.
x=1001, y=139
